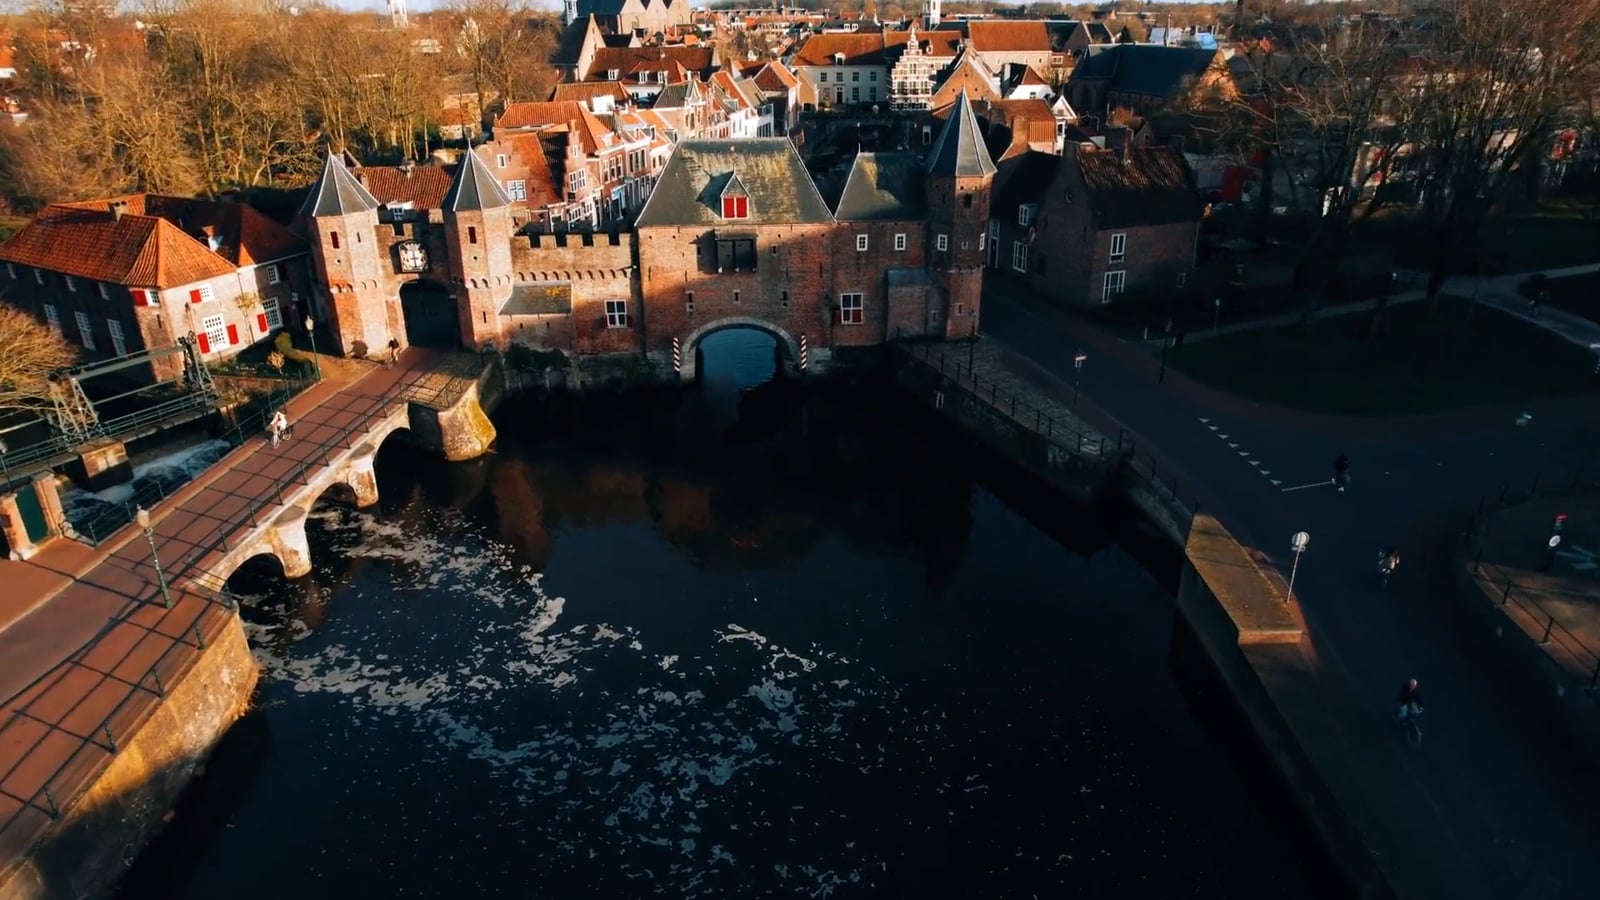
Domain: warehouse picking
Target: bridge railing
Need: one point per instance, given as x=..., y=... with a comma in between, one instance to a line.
x=110, y=520
x=124, y=720
x=1063, y=434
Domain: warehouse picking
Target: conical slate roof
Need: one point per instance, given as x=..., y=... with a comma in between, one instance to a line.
x=337, y=192
x=475, y=188
x=959, y=151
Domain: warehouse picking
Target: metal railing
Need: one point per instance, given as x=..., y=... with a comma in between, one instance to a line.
x=23, y=463
x=1502, y=587
x=1077, y=441
x=103, y=740
x=109, y=521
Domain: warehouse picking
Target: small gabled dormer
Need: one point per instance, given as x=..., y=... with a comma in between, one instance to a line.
x=735, y=200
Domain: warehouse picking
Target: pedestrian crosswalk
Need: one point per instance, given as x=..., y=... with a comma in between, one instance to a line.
x=1235, y=445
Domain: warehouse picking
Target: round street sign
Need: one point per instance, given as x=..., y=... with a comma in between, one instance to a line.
x=1555, y=541
x=1300, y=541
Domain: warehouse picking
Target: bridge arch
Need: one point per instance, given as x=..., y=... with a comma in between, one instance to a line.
x=787, y=344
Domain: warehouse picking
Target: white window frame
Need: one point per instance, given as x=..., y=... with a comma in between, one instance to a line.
x=1019, y=256
x=1119, y=247
x=1183, y=279
x=616, y=314
x=104, y=291
x=152, y=296
x=1025, y=215
x=52, y=317
x=852, y=309
x=38, y=276
x=85, y=329
x=981, y=236
x=216, y=331
x=71, y=283
x=273, y=275
x=119, y=341
x=942, y=242
x=273, y=312
x=517, y=189
x=861, y=243
x=207, y=295
x=1113, y=285
x=899, y=242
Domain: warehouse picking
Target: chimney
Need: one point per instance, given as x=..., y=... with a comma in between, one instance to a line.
x=406, y=165
x=1119, y=140
x=118, y=207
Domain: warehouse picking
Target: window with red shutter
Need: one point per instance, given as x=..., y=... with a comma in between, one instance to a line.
x=727, y=207
x=233, y=335
x=140, y=297
x=261, y=323
x=742, y=208
x=205, y=345
x=194, y=296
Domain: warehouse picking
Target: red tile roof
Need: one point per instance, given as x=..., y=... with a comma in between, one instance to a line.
x=134, y=250
x=629, y=61
x=774, y=76
x=1000, y=36
x=423, y=187
x=529, y=148
x=585, y=91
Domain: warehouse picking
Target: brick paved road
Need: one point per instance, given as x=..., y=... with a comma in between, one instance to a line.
x=1518, y=804
x=87, y=651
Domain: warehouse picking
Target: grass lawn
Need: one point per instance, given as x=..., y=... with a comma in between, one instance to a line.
x=1579, y=295
x=10, y=225
x=1454, y=358
x=1551, y=239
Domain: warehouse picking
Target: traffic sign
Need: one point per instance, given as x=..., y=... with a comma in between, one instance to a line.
x=1300, y=541
x=1555, y=541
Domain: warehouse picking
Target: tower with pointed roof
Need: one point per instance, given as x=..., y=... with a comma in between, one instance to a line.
x=340, y=217
x=930, y=13
x=960, y=179
x=478, y=232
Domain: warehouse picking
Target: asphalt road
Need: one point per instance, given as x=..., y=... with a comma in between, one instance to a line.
x=1523, y=804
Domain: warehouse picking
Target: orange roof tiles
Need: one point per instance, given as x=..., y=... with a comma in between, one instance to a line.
x=632, y=60
x=1000, y=36
x=135, y=250
x=423, y=187
x=541, y=186
x=585, y=91
x=775, y=76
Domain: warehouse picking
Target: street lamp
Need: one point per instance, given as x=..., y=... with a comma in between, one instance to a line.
x=1298, y=544
x=5, y=470
x=311, y=332
x=1077, y=374
x=1166, y=344
x=142, y=516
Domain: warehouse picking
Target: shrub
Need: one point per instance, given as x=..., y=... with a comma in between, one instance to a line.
x=284, y=344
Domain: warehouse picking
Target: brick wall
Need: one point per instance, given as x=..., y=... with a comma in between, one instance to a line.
x=599, y=267
x=863, y=271
x=786, y=289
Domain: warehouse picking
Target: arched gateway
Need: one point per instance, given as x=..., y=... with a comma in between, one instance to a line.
x=788, y=346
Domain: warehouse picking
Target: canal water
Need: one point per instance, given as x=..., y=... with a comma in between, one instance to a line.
x=743, y=640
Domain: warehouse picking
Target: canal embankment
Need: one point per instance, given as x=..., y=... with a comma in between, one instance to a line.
x=1232, y=606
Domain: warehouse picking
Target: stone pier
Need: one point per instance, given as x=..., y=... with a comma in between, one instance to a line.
x=31, y=515
x=101, y=465
x=287, y=538
x=362, y=478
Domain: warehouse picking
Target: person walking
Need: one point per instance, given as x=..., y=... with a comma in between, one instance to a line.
x=1341, y=472
x=278, y=427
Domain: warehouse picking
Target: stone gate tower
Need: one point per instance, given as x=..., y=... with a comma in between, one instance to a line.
x=478, y=233
x=960, y=179
x=341, y=220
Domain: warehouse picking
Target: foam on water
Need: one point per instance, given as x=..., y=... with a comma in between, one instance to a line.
x=663, y=752
x=171, y=469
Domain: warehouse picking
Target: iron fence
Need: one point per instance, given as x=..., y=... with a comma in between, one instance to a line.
x=1067, y=437
x=130, y=713
x=1502, y=586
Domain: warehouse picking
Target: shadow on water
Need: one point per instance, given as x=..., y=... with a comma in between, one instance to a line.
x=752, y=485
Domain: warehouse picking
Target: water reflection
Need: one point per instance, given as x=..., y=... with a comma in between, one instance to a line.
x=731, y=362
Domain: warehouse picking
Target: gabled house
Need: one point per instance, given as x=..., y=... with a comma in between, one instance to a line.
x=1146, y=78
x=1020, y=82
x=968, y=75
x=781, y=91
x=581, y=39
x=137, y=272
x=645, y=71
x=855, y=69
x=634, y=16
x=1108, y=221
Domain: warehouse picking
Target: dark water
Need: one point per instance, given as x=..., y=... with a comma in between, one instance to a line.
x=650, y=648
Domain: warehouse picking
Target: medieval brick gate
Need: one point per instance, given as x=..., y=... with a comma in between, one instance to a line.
x=687, y=353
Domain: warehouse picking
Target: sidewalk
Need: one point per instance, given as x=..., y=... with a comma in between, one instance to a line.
x=79, y=656
x=1498, y=291
x=1506, y=787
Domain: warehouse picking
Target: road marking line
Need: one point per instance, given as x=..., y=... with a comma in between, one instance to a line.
x=1212, y=427
x=1233, y=446
x=1204, y=419
x=1223, y=436
x=1275, y=482
x=1254, y=462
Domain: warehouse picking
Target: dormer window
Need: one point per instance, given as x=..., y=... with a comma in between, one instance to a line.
x=612, y=74
x=736, y=207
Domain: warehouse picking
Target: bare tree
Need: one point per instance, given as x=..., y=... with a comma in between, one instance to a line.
x=33, y=353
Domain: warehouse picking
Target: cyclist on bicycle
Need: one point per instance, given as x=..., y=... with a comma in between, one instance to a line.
x=1410, y=701
x=1341, y=471
x=1388, y=561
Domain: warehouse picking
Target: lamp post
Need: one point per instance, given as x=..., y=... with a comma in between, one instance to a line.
x=142, y=516
x=1166, y=344
x=1216, y=315
x=972, y=350
x=1298, y=544
x=5, y=470
x=311, y=332
x=1077, y=374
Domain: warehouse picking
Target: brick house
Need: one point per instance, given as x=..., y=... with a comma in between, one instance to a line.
x=855, y=69
x=1089, y=225
x=1146, y=78
x=135, y=273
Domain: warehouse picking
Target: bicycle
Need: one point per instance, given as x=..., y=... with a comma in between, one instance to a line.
x=1386, y=566
x=1410, y=720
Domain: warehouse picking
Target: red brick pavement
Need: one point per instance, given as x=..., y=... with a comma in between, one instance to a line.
x=87, y=644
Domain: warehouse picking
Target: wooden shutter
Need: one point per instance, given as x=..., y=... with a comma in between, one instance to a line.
x=141, y=297
x=261, y=322
x=205, y=342
x=233, y=335
x=194, y=296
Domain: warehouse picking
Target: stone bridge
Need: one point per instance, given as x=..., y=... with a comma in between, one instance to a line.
x=281, y=533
